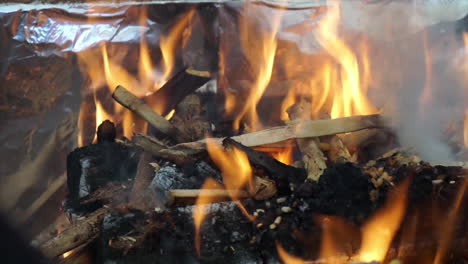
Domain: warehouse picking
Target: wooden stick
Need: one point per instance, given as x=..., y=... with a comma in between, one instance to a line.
x=136, y=105
x=78, y=234
x=298, y=129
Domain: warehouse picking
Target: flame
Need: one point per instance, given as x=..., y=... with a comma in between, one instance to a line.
x=286, y=257
x=449, y=226
x=199, y=210
x=259, y=48
x=283, y=155
x=105, y=66
x=350, y=86
x=67, y=254
x=236, y=171
x=378, y=232
x=465, y=129
x=427, y=89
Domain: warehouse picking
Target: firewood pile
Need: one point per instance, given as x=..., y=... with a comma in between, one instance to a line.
x=140, y=200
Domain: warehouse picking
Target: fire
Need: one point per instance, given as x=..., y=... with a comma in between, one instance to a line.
x=379, y=231
x=199, y=211
x=259, y=49
x=105, y=66
x=449, y=226
x=67, y=254
x=283, y=155
x=345, y=80
x=235, y=168
x=286, y=257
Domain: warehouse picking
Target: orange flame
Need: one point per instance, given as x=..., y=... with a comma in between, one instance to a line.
x=199, y=210
x=349, y=93
x=236, y=170
x=286, y=257
x=378, y=232
x=283, y=155
x=105, y=67
x=448, y=227
x=260, y=50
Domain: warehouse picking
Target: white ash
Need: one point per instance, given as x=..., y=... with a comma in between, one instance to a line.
x=84, y=187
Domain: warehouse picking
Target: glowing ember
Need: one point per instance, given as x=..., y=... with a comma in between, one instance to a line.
x=283, y=155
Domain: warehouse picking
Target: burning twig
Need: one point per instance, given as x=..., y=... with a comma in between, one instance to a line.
x=133, y=103
x=313, y=158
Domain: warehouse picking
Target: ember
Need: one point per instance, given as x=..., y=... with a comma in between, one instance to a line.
x=239, y=132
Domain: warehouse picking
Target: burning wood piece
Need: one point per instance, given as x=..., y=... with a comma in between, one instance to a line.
x=81, y=233
x=298, y=129
x=313, y=158
x=177, y=88
x=284, y=174
x=133, y=103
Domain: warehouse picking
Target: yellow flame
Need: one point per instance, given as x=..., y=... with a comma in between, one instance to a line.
x=260, y=50
x=449, y=226
x=349, y=96
x=283, y=155
x=465, y=129
x=427, y=90
x=236, y=170
x=170, y=114
x=105, y=66
x=286, y=257
x=67, y=254
x=378, y=232
x=199, y=210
